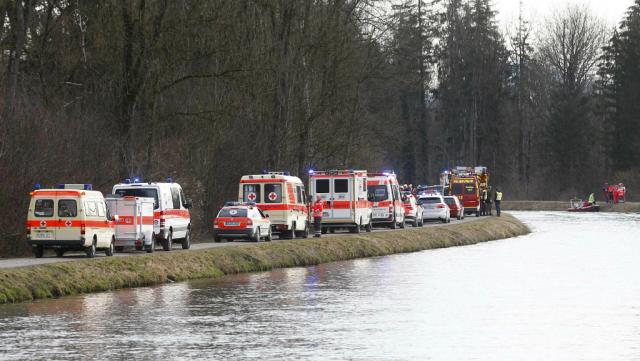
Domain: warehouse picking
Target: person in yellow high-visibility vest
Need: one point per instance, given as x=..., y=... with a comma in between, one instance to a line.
x=592, y=199
x=498, y=200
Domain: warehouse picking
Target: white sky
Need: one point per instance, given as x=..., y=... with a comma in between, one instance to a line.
x=611, y=11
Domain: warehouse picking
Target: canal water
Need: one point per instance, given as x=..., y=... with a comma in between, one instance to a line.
x=568, y=291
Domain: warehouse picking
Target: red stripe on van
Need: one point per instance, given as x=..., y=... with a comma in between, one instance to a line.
x=268, y=180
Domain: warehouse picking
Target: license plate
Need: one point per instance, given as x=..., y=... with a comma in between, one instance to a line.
x=325, y=214
x=231, y=224
x=380, y=214
x=43, y=235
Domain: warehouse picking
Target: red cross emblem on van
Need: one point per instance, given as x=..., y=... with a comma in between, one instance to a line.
x=251, y=196
x=68, y=223
x=273, y=196
x=43, y=224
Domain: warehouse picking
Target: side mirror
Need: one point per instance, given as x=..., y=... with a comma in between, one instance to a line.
x=188, y=204
x=115, y=218
x=266, y=216
x=309, y=199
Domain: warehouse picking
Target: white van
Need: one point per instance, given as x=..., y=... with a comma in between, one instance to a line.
x=71, y=217
x=281, y=197
x=384, y=192
x=171, y=218
x=344, y=193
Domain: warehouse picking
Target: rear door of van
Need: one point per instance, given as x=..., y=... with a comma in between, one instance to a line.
x=42, y=217
x=68, y=215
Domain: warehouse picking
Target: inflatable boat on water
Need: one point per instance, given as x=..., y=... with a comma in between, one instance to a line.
x=578, y=205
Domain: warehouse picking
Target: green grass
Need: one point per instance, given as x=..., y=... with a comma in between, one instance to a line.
x=70, y=278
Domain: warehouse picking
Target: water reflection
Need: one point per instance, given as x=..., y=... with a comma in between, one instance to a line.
x=570, y=291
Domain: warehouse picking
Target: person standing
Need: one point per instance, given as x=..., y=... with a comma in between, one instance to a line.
x=488, y=203
x=498, y=200
x=483, y=202
x=592, y=199
x=318, y=208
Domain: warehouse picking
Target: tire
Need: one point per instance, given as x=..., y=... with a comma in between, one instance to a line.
x=422, y=221
x=217, y=239
x=402, y=224
x=394, y=224
x=324, y=230
x=415, y=222
x=109, y=251
x=369, y=227
x=269, y=236
x=38, y=251
x=443, y=220
x=256, y=236
x=91, y=250
x=355, y=229
x=186, y=242
x=59, y=252
x=167, y=244
x=304, y=233
x=152, y=247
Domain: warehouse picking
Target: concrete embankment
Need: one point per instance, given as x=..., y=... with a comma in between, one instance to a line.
x=84, y=276
x=628, y=207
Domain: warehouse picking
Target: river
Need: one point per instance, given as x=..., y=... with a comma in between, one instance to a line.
x=568, y=291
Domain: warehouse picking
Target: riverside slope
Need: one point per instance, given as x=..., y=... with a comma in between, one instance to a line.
x=69, y=278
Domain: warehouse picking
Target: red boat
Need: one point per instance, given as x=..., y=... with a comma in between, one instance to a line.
x=578, y=205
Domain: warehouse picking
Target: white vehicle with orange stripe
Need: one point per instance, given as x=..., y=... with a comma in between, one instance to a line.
x=171, y=218
x=71, y=217
x=281, y=197
x=384, y=192
x=344, y=193
x=134, y=227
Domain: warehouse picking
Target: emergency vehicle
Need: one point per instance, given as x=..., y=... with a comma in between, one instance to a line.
x=134, y=227
x=71, y=217
x=241, y=220
x=282, y=197
x=171, y=218
x=467, y=183
x=344, y=195
x=384, y=193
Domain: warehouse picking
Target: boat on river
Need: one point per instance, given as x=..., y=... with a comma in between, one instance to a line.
x=578, y=205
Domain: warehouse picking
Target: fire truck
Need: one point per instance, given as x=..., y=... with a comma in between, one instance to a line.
x=281, y=197
x=344, y=193
x=467, y=183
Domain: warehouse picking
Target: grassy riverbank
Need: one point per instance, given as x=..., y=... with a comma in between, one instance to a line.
x=629, y=207
x=84, y=276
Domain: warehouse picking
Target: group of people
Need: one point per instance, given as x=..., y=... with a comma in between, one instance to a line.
x=614, y=193
x=488, y=199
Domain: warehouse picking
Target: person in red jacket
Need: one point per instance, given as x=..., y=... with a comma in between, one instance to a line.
x=318, y=208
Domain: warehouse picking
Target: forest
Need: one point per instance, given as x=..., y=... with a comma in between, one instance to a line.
x=95, y=91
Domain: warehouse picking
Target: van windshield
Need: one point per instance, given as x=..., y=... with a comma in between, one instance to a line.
x=378, y=193
x=140, y=192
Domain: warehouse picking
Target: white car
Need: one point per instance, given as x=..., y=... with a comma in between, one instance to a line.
x=434, y=207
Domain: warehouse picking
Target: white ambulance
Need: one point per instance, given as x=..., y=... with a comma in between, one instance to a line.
x=171, y=218
x=344, y=193
x=281, y=197
x=134, y=227
x=384, y=192
x=71, y=217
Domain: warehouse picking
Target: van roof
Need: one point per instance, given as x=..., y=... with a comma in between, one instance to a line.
x=143, y=184
x=66, y=193
x=269, y=178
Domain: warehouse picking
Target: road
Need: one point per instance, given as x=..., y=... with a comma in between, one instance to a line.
x=75, y=256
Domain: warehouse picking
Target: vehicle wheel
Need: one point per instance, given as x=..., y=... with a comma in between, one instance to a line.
x=167, y=244
x=369, y=226
x=402, y=224
x=59, y=252
x=256, y=235
x=152, y=247
x=186, y=242
x=269, y=236
x=112, y=246
x=448, y=219
x=91, y=250
x=324, y=231
x=292, y=233
x=355, y=229
x=477, y=214
x=415, y=222
x=394, y=224
x=38, y=251
x=422, y=221
x=443, y=220
x=217, y=239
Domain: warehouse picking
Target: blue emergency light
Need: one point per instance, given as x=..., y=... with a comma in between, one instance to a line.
x=287, y=173
x=136, y=179
x=60, y=186
x=37, y=186
x=311, y=171
x=169, y=180
x=88, y=187
x=127, y=181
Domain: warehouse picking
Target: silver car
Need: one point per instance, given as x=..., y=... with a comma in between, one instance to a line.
x=434, y=207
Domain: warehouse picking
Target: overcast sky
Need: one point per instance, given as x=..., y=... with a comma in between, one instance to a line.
x=610, y=10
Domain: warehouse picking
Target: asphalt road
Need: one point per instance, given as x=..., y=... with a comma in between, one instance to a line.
x=205, y=244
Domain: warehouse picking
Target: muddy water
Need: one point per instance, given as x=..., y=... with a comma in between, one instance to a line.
x=568, y=291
